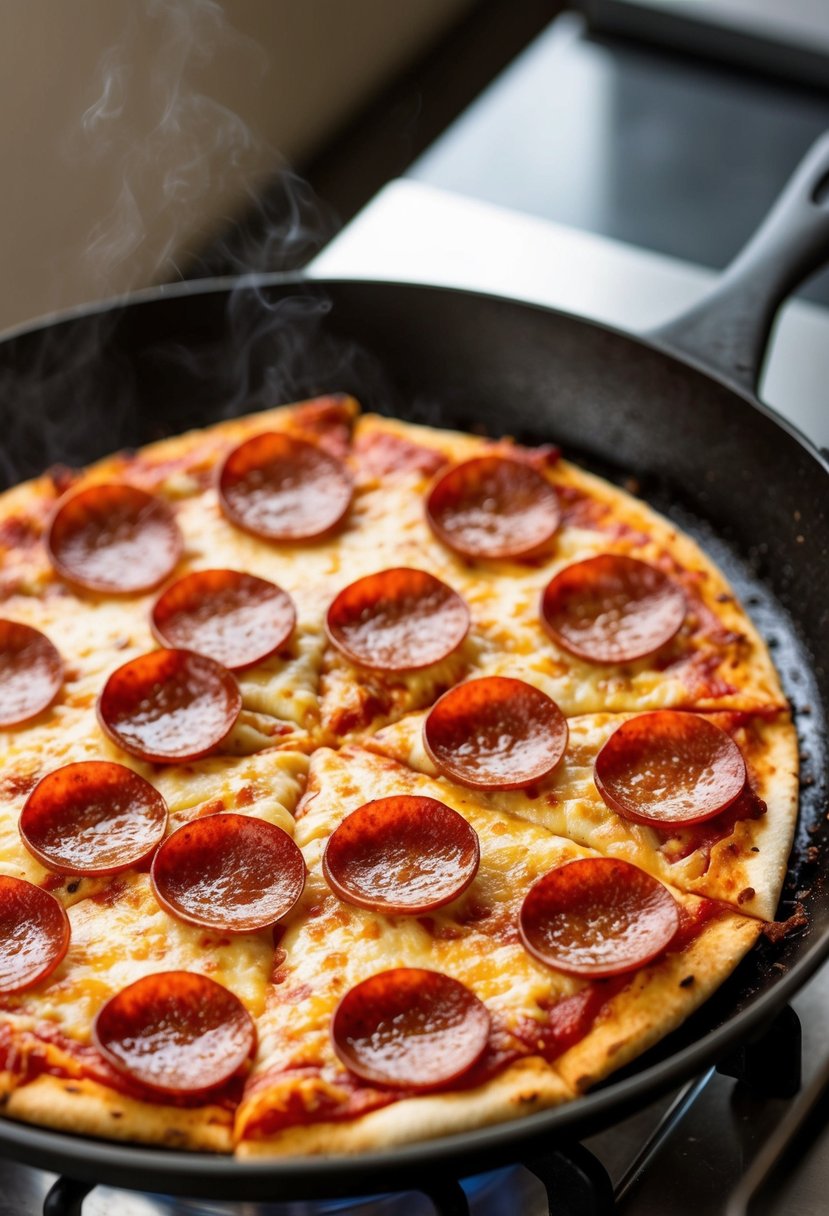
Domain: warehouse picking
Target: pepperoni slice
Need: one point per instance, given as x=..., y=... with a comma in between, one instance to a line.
x=612, y=609
x=397, y=620
x=95, y=817
x=34, y=934
x=176, y=1032
x=115, y=539
x=669, y=767
x=495, y=733
x=493, y=506
x=410, y=1028
x=282, y=488
x=31, y=673
x=598, y=917
x=169, y=706
x=401, y=855
x=228, y=872
x=234, y=618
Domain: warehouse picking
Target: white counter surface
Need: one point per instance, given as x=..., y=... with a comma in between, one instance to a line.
x=418, y=233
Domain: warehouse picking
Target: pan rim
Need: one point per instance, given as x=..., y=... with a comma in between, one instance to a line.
x=112, y=1163
x=196, y=1174
x=226, y=284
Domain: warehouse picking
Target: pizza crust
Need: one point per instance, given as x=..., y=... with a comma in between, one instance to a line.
x=657, y=1000
x=524, y=1088
x=86, y=1108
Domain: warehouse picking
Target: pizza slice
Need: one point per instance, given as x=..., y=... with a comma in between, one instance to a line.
x=54, y=1074
x=84, y=556
x=422, y=987
x=72, y=816
x=706, y=802
x=182, y=948
x=569, y=580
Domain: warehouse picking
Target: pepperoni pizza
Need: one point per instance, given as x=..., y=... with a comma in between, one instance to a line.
x=363, y=782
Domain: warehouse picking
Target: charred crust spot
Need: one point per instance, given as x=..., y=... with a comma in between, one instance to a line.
x=745, y=895
x=71, y=887
x=777, y=930
x=175, y=1138
x=61, y=477
x=687, y=982
x=528, y=1099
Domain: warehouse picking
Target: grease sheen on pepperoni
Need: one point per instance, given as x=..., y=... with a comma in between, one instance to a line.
x=598, y=917
x=398, y=620
x=94, y=817
x=612, y=608
x=34, y=934
x=410, y=1028
x=169, y=706
x=401, y=855
x=284, y=489
x=176, y=1032
x=493, y=507
x=228, y=872
x=31, y=673
x=234, y=618
x=495, y=733
x=669, y=767
x=114, y=538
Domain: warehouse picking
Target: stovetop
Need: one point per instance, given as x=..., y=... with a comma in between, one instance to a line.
x=686, y=1153
x=700, y=1149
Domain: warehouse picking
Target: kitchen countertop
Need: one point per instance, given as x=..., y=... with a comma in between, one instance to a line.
x=665, y=151
x=419, y=233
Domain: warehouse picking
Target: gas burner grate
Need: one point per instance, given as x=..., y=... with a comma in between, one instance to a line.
x=574, y=1181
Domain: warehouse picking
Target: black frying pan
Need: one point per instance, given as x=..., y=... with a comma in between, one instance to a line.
x=677, y=410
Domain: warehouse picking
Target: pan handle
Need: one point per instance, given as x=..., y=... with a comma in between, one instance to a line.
x=728, y=329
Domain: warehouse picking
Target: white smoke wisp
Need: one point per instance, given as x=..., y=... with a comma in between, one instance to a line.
x=175, y=153
x=184, y=165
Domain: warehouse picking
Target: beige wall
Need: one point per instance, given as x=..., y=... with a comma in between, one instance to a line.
x=130, y=128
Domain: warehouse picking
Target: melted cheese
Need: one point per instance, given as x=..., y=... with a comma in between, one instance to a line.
x=123, y=935
x=267, y=785
x=504, y=596
x=745, y=867
x=330, y=946
x=309, y=695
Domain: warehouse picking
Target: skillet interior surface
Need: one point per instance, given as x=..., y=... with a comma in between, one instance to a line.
x=727, y=471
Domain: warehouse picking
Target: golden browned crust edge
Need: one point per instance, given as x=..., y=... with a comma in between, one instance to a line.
x=527, y=1086
x=772, y=835
x=657, y=1000
x=88, y=1108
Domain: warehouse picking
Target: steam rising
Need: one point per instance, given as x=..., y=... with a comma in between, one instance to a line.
x=73, y=392
x=181, y=151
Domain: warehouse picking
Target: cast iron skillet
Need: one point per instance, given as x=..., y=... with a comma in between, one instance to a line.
x=676, y=410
